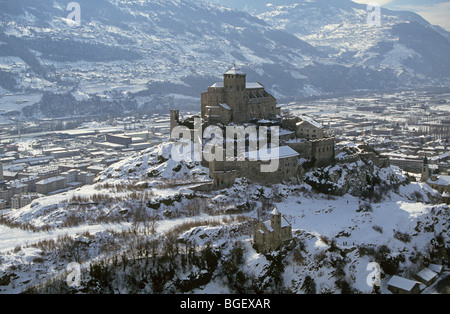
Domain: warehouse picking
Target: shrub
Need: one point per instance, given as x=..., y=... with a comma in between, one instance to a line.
x=309, y=286
x=377, y=229
x=364, y=250
x=402, y=236
x=364, y=207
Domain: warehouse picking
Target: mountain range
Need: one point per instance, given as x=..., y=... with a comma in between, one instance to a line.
x=149, y=55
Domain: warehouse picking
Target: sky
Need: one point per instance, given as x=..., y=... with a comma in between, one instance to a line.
x=436, y=12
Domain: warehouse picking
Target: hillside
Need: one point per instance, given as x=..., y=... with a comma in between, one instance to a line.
x=139, y=230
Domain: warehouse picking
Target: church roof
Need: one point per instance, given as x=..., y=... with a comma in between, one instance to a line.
x=280, y=152
x=310, y=121
x=235, y=71
x=253, y=86
x=441, y=180
x=275, y=211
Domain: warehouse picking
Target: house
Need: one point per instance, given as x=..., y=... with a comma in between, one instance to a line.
x=21, y=200
x=309, y=128
x=426, y=276
x=49, y=185
x=438, y=269
x=440, y=183
x=446, y=198
x=399, y=285
x=271, y=235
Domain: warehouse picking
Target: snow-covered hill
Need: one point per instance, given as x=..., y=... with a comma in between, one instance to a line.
x=141, y=228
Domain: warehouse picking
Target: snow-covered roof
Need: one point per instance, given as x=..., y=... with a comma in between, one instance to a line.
x=286, y=152
x=253, y=85
x=283, y=152
x=268, y=225
x=225, y=106
x=275, y=211
x=285, y=132
x=285, y=223
x=436, y=268
x=235, y=71
x=427, y=274
x=217, y=85
x=311, y=121
x=49, y=180
x=441, y=180
x=402, y=283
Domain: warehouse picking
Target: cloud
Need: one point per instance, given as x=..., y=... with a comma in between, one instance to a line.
x=380, y=2
x=436, y=14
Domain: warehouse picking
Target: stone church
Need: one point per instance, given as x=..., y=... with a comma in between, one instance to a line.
x=235, y=100
x=271, y=235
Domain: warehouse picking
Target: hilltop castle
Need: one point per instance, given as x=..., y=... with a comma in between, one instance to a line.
x=237, y=102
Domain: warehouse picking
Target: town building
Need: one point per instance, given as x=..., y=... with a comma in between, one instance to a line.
x=426, y=276
x=271, y=235
x=441, y=183
x=22, y=200
x=50, y=185
x=400, y=285
x=309, y=129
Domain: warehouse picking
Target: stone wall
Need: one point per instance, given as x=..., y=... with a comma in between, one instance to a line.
x=225, y=172
x=322, y=150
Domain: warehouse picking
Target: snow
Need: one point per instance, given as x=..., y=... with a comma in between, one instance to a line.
x=326, y=225
x=310, y=121
x=253, y=86
x=275, y=212
x=281, y=152
x=225, y=106
x=12, y=237
x=441, y=180
x=234, y=71
x=427, y=274
x=402, y=283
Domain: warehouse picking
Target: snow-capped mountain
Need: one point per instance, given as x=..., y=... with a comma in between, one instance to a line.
x=130, y=51
x=404, y=44
x=167, y=47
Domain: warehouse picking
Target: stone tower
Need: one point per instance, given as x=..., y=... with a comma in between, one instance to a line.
x=174, y=119
x=234, y=83
x=425, y=172
x=275, y=223
x=425, y=175
x=236, y=101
